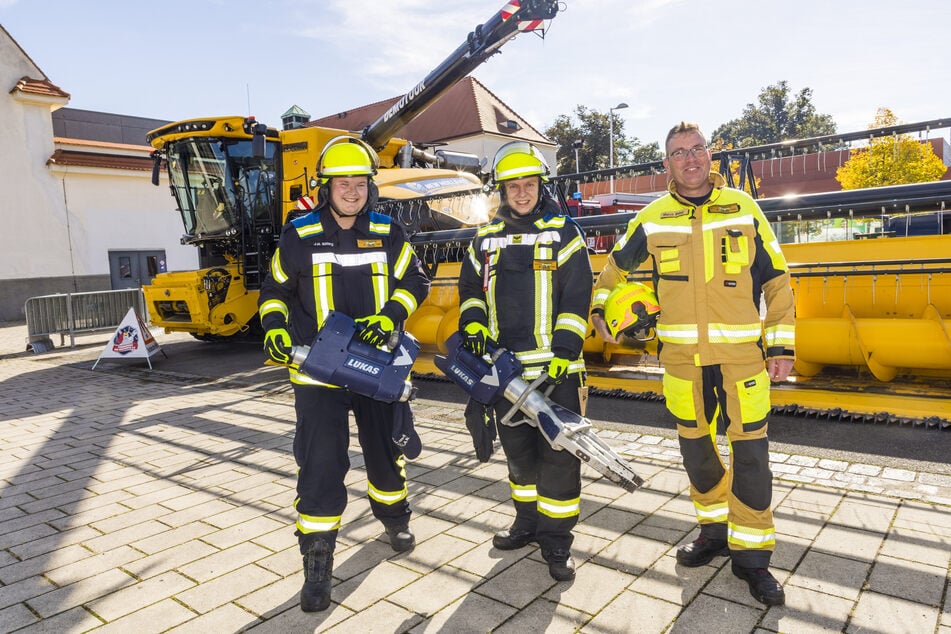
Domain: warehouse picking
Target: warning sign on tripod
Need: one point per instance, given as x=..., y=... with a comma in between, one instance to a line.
x=131, y=340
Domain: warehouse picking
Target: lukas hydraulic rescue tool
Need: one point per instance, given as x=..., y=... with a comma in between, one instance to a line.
x=487, y=382
x=339, y=357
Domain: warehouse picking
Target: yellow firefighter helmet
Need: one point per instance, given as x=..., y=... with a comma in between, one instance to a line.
x=517, y=159
x=347, y=156
x=631, y=309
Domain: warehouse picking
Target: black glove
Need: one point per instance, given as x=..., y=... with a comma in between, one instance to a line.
x=277, y=345
x=475, y=337
x=557, y=371
x=376, y=329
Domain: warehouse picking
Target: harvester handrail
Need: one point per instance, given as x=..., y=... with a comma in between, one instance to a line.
x=873, y=202
x=766, y=150
x=877, y=267
x=853, y=263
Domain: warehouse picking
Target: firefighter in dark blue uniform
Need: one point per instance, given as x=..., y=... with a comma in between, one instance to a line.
x=343, y=257
x=526, y=284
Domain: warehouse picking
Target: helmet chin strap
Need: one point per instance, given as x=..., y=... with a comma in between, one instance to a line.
x=337, y=212
x=340, y=214
x=503, y=197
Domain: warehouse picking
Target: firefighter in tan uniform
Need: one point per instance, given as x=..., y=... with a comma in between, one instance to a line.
x=714, y=258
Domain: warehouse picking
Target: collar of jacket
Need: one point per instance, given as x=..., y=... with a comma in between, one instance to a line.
x=715, y=179
x=329, y=223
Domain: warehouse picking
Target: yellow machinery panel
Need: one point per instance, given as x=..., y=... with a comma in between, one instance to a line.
x=884, y=304
x=210, y=302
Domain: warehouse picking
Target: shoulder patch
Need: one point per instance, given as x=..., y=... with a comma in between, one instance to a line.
x=378, y=218
x=379, y=223
x=550, y=221
x=307, y=225
x=493, y=227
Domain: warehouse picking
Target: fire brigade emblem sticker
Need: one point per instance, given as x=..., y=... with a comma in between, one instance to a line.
x=125, y=340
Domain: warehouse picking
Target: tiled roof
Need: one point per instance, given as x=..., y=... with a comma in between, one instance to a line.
x=85, y=138
x=39, y=87
x=76, y=124
x=466, y=109
x=94, y=159
x=295, y=110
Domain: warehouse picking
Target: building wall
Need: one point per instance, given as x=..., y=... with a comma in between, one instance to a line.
x=486, y=145
x=34, y=237
x=59, y=223
x=112, y=210
x=99, y=210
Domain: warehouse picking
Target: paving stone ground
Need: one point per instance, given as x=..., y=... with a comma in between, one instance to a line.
x=132, y=505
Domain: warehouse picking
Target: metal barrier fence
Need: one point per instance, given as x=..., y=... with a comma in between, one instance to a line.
x=72, y=313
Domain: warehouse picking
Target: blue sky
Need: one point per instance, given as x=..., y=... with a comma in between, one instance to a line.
x=668, y=59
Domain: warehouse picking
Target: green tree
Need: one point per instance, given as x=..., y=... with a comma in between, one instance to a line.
x=893, y=160
x=592, y=128
x=778, y=116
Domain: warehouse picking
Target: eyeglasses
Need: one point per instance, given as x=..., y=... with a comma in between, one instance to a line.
x=681, y=154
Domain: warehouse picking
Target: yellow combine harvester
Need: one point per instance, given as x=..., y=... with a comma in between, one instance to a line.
x=237, y=181
x=230, y=200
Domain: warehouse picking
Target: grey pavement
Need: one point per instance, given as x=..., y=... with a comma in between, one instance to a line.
x=132, y=502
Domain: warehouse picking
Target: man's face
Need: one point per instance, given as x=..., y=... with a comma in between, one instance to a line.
x=522, y=194
x=688, y=163
x=349, y=194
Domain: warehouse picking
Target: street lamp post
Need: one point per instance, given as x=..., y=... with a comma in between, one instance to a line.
x=620, y=106
x=577, y=146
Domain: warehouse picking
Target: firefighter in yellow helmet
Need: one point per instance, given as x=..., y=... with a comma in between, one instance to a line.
x=714, y=258
x=526, y=285
x=342, y=256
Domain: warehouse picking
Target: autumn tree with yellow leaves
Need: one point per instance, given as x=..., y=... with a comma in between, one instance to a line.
x=894, y=160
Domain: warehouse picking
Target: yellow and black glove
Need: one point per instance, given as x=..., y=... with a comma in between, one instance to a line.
x=376, y=329
x=557, y=371
x=475, y=337
x=277, y=345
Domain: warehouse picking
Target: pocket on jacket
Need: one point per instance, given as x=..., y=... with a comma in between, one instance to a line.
x=669, y=251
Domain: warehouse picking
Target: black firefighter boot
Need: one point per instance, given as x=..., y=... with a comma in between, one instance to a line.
x=401, y=537
x=318, y=563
